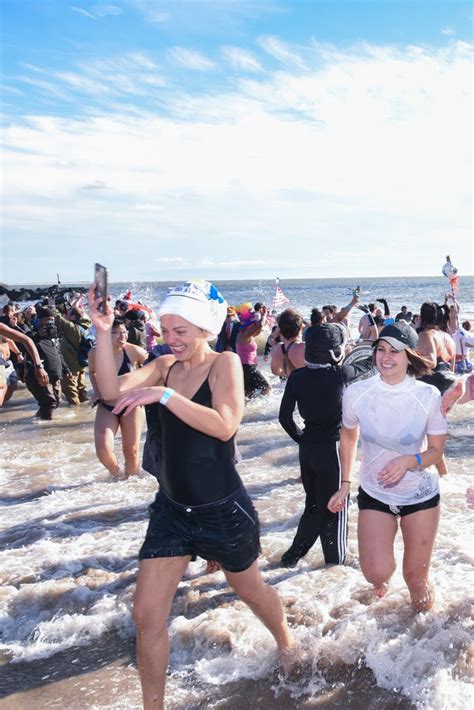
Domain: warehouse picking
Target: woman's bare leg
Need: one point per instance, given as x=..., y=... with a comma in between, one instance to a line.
x=264, y=601
x=419, y=532
x=105, y=428
x=131, y=427
x=157, y=581
x=376, y=533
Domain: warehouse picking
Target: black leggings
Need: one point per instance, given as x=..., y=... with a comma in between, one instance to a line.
x=321, y=475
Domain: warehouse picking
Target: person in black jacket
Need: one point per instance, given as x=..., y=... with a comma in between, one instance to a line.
x=228, y=335
x=135, y=324
x=317, y=391
x=47, y=342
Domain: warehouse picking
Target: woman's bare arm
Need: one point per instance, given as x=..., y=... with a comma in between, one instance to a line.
x=220, y=421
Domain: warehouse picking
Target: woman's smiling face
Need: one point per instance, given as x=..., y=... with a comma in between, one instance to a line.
x=392, y=364
x=182, y=336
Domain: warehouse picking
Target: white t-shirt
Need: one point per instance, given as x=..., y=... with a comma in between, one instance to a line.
x=394, y=421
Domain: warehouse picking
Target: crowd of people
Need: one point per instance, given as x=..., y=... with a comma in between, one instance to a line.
x=393, y=394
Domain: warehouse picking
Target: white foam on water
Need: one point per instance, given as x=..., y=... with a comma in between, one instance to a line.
x=69, y=562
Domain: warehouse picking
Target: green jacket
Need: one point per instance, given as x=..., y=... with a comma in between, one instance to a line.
x=71, y=336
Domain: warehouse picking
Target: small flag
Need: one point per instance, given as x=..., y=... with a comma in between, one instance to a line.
x=279, y=299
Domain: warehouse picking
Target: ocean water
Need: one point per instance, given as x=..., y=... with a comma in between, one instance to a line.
x=69, y=541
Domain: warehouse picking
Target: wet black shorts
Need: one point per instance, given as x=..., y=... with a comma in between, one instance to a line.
x=254, y=381
x=366, y=502
x=227, y=531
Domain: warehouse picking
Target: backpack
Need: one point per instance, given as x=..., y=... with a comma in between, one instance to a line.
x=85, y=346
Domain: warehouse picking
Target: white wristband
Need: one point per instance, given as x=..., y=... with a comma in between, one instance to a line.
x=166, y=396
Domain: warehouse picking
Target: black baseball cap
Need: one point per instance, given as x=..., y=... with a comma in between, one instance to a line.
x=322, y=338
x=399, y=335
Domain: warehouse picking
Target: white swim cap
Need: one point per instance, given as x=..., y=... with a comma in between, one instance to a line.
x=198, y=302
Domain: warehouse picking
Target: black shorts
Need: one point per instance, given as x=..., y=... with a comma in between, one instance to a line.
x=366, y=502
x=227, y=531
x=254, y=381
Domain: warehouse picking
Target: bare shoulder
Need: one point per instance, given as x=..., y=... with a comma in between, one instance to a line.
x=226, y=361
x=163, y=364
x=135, y=352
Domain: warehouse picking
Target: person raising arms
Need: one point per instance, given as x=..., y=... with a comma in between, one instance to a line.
x=201, y=507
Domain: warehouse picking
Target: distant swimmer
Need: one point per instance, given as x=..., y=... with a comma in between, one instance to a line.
x=403, y=433
x=202, y=507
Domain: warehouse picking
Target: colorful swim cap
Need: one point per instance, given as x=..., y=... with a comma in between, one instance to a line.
x=198, y=302
x=245, y=313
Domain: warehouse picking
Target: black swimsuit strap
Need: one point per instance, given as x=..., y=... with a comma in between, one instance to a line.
x=168, y=373
x=202, y=383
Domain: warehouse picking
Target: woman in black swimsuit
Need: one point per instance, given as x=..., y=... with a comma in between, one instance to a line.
x=127, y=357
x=202, y=507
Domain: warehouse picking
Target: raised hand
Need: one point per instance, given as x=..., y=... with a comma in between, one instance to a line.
x=102, y=321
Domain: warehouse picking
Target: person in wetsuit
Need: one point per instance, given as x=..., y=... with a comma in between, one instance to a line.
x=317, y=391
x=127, y=357
x=201, y=507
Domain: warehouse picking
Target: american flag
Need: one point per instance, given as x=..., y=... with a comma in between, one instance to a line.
x=279, y=299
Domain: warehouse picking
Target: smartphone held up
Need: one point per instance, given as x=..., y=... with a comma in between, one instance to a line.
x=101, y=286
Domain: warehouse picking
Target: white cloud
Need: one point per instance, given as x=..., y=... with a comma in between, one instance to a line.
x=280, y=50
x=449, y=31
x=241, y=59
x=81, y=11
x=106, y=10
x=368, y=149
x=190, y=59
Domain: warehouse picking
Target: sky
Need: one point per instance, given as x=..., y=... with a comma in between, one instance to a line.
x=229, y=139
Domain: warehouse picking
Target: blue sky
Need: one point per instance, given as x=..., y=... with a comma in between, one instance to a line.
x=235, y=138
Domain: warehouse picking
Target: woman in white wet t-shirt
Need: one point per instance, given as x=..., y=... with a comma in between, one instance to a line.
x=402, y=433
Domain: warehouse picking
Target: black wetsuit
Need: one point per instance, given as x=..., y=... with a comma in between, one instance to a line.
x=318, y=394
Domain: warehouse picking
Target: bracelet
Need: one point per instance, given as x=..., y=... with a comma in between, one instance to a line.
x=166, y=396
x=418, y=459
x=345, y=481
x=40, y=366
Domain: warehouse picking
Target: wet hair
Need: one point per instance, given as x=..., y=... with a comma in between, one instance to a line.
x=466, y=325
x=379, y=320
x=331, y=309
x=290, y=323
x=117, y=322
x=429, y=314
x=257, y=306
x=418, y=365
x=372, y=307
x=316, y=316
x=442, y=319
x=7, y=307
